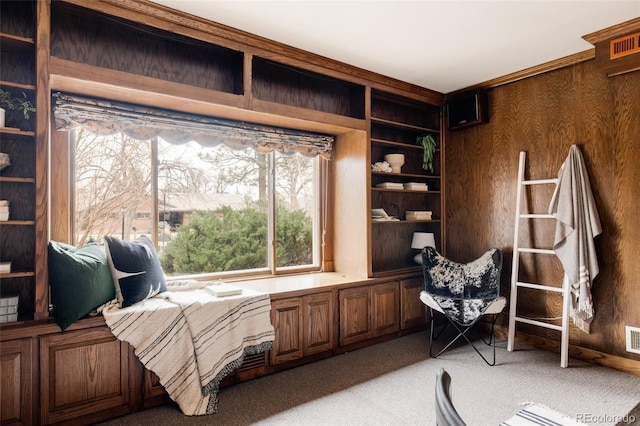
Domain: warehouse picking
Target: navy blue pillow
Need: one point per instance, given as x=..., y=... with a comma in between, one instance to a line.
x=135, y=269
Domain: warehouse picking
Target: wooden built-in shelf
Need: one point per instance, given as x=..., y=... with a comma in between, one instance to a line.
x=396, y=123
x=306, y=89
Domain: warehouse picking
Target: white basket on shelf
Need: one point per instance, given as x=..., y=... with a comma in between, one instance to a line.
x=9, y=308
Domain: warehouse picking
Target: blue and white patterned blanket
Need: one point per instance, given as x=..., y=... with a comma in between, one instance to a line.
x=191, y=339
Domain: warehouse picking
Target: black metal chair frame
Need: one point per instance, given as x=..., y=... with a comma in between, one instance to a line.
x=445, y=286
x=462, y=332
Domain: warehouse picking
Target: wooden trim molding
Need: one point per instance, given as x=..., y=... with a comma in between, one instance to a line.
x=593, y=38
x=613, y=31
x=43, y=102
x=532, y=71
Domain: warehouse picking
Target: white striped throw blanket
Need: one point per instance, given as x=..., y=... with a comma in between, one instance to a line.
x=540, y=415
x=191, y=339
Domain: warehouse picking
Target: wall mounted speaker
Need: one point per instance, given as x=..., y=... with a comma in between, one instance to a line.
x=467, y=110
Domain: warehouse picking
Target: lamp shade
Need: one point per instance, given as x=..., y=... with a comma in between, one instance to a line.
x=423, y=239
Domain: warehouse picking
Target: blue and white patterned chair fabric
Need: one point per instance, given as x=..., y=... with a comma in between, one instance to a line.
x=463, y=293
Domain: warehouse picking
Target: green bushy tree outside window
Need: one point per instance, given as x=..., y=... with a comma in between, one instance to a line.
x=226, y=239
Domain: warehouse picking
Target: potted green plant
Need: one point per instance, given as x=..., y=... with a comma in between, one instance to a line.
x=428, y=144
x=14, y=103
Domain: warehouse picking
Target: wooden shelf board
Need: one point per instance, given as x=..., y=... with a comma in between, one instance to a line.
x=13, y=85
x=18, y=274
x=11, y=179
x=16, y=132
x=384, y=122
x=384, y=142
x=10, y=42
x=405, y=191
x=410, y=175
x=17, y=222
x=405, y=221
x=398, y=271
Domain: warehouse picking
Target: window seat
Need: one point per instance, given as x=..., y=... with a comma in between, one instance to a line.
x=295, y=285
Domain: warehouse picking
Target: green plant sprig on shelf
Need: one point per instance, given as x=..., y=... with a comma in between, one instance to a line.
x=428, y=144
x=23, y=104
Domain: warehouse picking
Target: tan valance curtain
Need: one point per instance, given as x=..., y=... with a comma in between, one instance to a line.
x=105, y=117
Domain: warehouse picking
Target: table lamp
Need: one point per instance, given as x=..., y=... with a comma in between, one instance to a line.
x=421, y=240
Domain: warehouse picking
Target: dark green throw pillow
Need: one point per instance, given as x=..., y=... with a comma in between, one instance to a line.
x=80, y=280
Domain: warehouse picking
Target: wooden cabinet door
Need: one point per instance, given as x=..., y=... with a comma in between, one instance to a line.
x=318, y=322
x=153, y=393
x=414, y=312
x=16, y=382
x=355, y=314
x=385, y=306
x=286, y=317
x=83, y=374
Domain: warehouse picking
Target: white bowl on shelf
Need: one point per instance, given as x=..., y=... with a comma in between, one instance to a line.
x=396, y=161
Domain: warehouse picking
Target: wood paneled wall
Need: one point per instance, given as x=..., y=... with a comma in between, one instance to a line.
x=544, y=115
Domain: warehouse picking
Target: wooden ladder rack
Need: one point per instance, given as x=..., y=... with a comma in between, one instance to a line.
x=516, y=284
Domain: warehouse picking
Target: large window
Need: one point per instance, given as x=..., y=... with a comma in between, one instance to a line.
x=210, y=209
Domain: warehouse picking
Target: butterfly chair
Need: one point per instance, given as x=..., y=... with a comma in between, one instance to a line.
x=446, y=414
x=463, y=293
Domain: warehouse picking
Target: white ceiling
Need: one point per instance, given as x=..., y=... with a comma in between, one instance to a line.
x=441, y=45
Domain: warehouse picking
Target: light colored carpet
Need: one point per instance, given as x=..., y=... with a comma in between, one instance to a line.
x=393, y=383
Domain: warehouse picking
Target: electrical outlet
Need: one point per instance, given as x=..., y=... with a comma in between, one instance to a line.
x=633, y=339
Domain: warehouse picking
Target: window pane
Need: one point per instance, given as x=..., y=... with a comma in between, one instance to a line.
x=213, y=209
x=113, y=186
x=296, y=210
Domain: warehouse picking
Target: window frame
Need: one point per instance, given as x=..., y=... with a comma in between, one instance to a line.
x=271, y=270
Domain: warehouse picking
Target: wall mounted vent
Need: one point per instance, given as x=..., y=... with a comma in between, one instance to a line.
x=623, y=46
x=633, y=339
x=617, y=47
